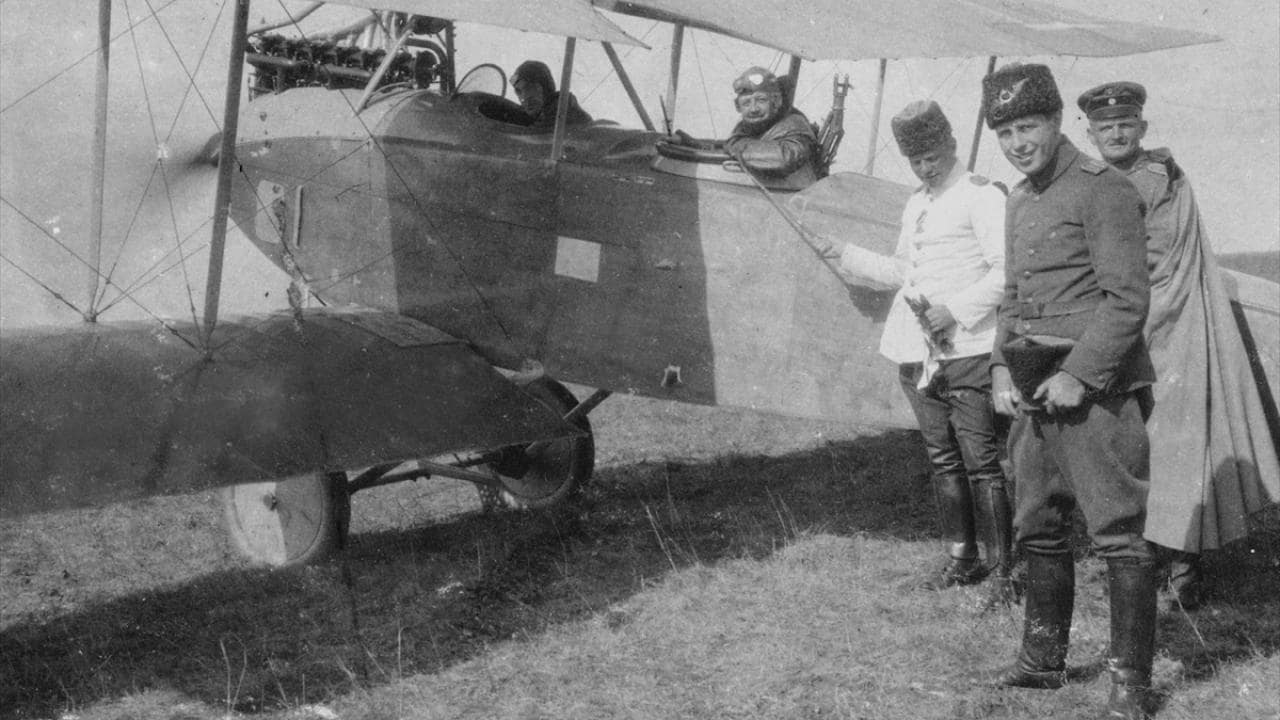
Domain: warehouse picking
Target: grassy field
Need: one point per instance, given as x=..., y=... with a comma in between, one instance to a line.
x=723, y=565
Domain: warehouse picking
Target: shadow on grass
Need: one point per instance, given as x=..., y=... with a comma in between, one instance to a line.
x=403, y=602
x=417, y=600
x=1240, y=619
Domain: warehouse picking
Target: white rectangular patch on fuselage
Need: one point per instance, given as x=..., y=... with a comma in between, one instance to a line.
x=578, y=259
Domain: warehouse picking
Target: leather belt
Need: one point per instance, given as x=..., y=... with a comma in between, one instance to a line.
x=1034, y=310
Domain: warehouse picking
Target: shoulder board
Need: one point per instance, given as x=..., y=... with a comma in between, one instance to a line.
x=978, y=180
x=1093, y=167
x=1162, y=163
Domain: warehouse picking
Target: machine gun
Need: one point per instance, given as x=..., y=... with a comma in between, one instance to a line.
x=832, y=130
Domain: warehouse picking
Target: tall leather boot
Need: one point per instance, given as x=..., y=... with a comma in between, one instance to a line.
x=994, y=518
x=1133, y=634
x=1042, y=661
x=955, y=516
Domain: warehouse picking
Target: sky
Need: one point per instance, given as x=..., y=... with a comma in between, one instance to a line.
x=1217, y=106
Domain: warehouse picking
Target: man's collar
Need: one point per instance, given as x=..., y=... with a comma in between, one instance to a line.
x=1132, y=162
x=957, y=172
x=1064, y=156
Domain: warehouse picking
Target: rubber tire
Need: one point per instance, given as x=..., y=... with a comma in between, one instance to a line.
x=575, y=456
x=290, y=522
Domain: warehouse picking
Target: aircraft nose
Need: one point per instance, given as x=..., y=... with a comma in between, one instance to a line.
x=211, y=151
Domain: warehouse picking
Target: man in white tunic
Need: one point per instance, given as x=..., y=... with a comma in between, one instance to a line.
x=948, y=269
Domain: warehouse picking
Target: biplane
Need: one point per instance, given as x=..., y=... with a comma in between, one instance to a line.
x=450, y=269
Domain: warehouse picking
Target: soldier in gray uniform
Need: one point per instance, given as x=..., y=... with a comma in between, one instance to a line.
x=1070, y=364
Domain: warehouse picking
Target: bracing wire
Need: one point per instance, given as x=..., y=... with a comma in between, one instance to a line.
x=168, y=136
x=702, y=80
x=57, y=295
x=192, y=86
x=44, y=83
x=57, y=241
x=625, y=54
x=109, y=283
x=160, y=160
x=168, y=326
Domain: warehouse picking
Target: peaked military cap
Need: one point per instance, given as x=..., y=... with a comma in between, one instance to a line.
x=1113, y=99
x=756, y=79
x=1018, y=90
x=920, y=127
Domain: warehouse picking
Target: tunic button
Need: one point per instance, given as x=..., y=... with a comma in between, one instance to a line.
x=1026, y=273
x=1033, y=252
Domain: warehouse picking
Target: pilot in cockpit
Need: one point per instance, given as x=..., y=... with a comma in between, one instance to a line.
x=772, y=138
x=536, y=90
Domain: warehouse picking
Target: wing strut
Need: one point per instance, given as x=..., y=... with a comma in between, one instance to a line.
x=626, y=84
x=793, y=80
x=99, y=157
x=673, y=80
x=562, y=107
x=227, y=163
x=977, y=129
x=382, y=68
x=870, y=167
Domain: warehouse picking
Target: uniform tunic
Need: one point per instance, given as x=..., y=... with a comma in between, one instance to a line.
x=1076, y=268
x=950, y=251
x=1213, y=459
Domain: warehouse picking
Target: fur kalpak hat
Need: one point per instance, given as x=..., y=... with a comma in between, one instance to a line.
x=1018, y=90
x=920, y=127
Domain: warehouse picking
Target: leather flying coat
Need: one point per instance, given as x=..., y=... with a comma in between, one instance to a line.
x=787, y=149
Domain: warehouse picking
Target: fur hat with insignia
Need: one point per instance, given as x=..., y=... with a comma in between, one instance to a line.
x=1018, y=90
x=1113, y=100
x=920, y=127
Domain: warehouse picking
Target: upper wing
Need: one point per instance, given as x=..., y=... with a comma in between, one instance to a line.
x=849, y=30
x=568, y=18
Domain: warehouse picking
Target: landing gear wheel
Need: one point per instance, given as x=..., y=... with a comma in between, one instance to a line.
x=288, y=522
x=557, y=470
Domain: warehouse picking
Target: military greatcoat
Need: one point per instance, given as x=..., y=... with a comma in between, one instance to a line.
x=1213, y=454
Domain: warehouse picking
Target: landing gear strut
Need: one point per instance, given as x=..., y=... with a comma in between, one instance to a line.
x=300, y=520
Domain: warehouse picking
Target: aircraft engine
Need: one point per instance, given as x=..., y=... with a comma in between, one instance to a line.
x=280, y=63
